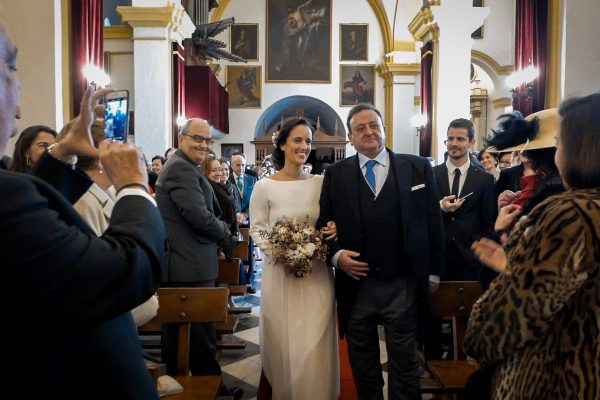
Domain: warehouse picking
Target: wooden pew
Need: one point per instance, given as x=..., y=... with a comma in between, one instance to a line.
x=184, y=306
x=229, y=274
x=454, y=300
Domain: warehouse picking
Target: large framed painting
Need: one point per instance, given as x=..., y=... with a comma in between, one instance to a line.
x=227, y=149
x=243, y=41
x=354, y=39
x=298, y=41
x=244, y=86
x=357, y=84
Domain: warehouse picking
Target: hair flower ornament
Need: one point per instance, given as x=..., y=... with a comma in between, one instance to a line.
x=274, y=137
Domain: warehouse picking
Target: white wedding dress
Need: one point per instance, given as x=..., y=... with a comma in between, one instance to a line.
x=298, y=338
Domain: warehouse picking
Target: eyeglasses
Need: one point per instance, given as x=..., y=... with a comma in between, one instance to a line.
x=200, y=139
x=504, y=162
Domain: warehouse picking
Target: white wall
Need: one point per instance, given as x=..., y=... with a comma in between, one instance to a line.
x=581, y=47
x=36, y=30
x=498, y=39
x=121, y=66
x=242, y=123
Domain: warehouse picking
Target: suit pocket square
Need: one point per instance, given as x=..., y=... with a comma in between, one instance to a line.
x=417, y=187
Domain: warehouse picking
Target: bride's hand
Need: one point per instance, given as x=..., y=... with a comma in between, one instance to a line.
x=330, y=231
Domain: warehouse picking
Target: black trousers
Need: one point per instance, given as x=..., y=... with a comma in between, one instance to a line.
x=392, y=303
x=203, y=343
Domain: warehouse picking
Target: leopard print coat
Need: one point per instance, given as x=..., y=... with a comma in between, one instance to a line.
x=539, y=325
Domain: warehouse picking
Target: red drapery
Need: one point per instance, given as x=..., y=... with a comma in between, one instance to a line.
x=205, y=97
x=87, y=43
x=179, y=55
x=426, y=98
x=531, y=47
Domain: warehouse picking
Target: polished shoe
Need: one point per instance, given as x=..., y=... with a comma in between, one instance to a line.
x=250, y=290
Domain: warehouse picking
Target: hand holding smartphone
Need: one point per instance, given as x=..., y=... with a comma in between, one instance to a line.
x=116, y=116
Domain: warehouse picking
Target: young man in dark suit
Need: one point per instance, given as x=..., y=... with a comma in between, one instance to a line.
x=466, y=195
x=390, y=242
x=66, y=293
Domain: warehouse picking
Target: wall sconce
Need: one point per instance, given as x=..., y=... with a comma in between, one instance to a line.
x=419, y=121
x=96, y=76
x=523, y=78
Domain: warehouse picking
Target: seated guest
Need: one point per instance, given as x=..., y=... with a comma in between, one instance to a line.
x=536, y=331
x=30, y=146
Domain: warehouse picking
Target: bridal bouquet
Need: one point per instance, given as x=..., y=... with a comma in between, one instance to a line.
x=296, y=244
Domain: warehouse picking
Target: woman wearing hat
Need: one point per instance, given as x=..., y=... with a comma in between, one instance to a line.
x=537, y=328
x=534, y=138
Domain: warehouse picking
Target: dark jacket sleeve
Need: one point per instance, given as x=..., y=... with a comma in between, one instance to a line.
x=59, y=273
x=71, y=183
x=437, y=245
x=327, y=214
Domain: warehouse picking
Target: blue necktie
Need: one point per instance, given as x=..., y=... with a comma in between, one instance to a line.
x=370, y=176
x=240, y=184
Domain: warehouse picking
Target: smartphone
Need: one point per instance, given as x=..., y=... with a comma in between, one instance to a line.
x=464, y=197
x=116, y=116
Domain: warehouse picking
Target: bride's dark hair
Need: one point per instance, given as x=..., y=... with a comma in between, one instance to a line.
x=284, y=132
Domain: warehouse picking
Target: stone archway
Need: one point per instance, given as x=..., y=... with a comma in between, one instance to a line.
x=329, y=142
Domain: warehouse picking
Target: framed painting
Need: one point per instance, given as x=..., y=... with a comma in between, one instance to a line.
x=298, y=41
x=354, y=39
x=357, y=84
x=244, y=86
x=243, y=41
x=227, y=149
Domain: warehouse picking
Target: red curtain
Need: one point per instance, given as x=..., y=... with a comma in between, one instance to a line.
x=531, y=47
x=86, y=43
x=205, y=97
x=179, y=56
x=426, y=98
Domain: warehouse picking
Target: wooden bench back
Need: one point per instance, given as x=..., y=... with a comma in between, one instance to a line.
x=242, y=249
x=455, y=299
x=184, y=306
x=229, y=271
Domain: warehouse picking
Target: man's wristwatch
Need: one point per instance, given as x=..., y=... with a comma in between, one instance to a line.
x=72, y=160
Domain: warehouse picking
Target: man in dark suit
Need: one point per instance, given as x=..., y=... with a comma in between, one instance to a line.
x=66, y=293
x=466, y=194
x=390, y=240
x=244, y=184
x=190, y=210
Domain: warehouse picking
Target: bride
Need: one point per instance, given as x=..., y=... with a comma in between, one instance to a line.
x=298, y=339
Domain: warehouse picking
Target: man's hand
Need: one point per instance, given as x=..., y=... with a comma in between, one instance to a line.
x=490, y=253
x=329, y=231
x=77, y=141
x=123, y=164
x=507, y=197
x=355, y=269
x=450, y=203
x=507, y=216
x=433, y=286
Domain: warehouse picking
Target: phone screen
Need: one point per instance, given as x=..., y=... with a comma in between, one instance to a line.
x=116, y=112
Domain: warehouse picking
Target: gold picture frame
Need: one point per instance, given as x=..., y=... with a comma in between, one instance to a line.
x=244, y=85
x=243, y=41
x=298, y=41
x=354, y=42
x=357, y=84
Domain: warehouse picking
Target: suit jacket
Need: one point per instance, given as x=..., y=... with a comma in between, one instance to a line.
x=66, y=293
x=509, y=179
x=249, y=182
x=476, y=217
x=190, y=210
x=422, y=224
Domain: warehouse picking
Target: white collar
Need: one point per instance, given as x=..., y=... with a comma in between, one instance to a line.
x=463, y=168
x=382, y=158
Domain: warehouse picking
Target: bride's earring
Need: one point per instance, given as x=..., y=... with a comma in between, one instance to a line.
x=27, y=161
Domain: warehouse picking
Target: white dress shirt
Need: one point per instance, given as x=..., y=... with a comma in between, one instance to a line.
x=380, y=170
x=463, y=174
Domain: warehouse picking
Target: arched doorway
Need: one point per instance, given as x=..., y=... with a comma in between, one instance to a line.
x=329, y=142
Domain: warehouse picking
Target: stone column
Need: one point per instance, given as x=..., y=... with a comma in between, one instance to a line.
x=449, y=25
x=156, y=24
x=399, y=105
